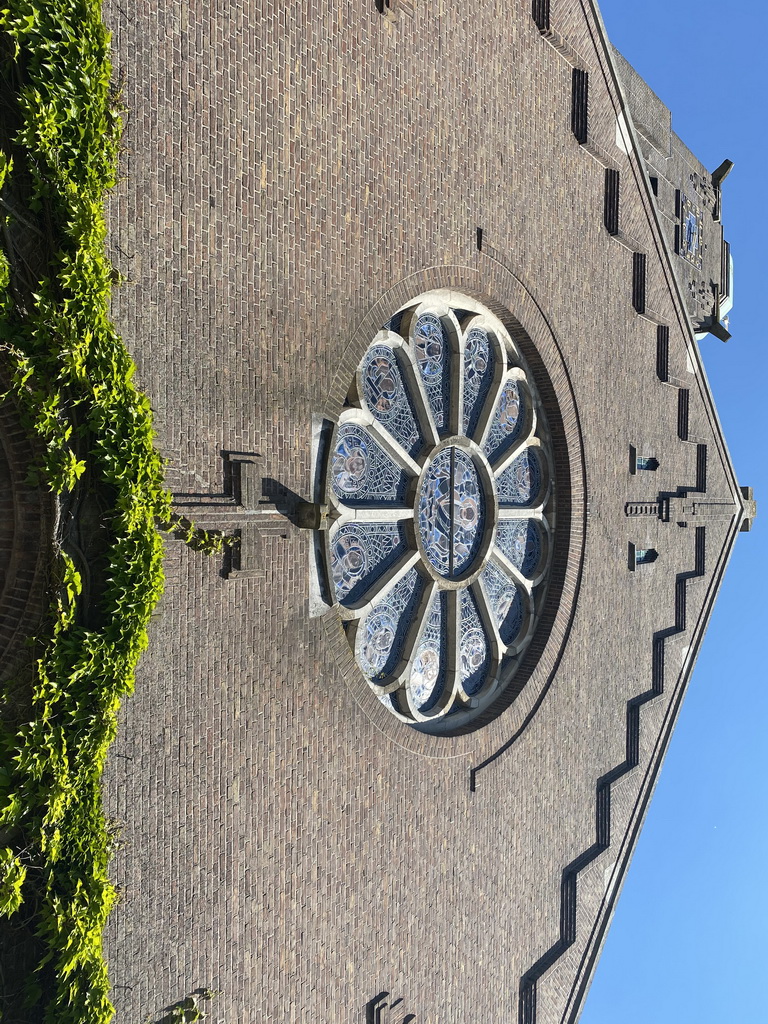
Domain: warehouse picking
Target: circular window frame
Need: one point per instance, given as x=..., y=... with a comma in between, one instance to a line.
x=502, y=658
x=497, y=288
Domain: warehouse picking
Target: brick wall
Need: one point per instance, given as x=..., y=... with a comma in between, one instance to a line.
x=291, y=175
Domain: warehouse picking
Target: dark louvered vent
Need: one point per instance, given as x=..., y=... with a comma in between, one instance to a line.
x=682, y=414
x=701, y=467
x=611, y=210
x=681, y=603
x=638, y=281
x=579, y=104
x=662, y=353
x=540, y=12
x=701, y=550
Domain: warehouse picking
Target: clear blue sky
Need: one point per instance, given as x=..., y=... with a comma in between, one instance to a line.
x=688, y=939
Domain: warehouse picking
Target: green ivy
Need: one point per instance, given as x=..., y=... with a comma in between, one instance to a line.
x=72, y=380
x=12, y=875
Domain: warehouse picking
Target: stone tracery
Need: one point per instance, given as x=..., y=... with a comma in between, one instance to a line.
x=442, y=504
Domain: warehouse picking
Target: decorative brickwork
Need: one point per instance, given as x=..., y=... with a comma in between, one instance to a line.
x=290, y=181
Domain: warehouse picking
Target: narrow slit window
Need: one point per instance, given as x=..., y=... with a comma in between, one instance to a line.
x=580, y=105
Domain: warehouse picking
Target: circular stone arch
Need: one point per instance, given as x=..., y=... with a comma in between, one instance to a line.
x=26, y=524
x=499, y=290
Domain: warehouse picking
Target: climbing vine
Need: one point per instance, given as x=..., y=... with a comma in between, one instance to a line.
x=72, y=380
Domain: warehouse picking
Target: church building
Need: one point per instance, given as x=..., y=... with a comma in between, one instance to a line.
x=415, y=291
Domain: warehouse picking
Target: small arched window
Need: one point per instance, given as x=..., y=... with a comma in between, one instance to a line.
x=641, y=462
x=641, y=556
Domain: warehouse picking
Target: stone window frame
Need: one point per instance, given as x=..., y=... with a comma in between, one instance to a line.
x=504, y=659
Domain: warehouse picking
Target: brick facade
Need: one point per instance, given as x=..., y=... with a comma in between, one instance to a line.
x=291, y=176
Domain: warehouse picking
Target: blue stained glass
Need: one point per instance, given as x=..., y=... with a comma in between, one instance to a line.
x=360, y=554
x=473, y=645
x=387, y=398
x=506, y=602
x=386, y=626
x=433, y=357
x=478, y=374
x=520, y=483
x=507, y=422
x=520, y=541
x=361, y=471
x=691, y=233
x=451, y=512
x=429, y=665
x=368, y=470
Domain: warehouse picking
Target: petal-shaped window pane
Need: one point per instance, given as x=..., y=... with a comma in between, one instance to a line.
x=520, y=541
x=429, y=664
x=507, y=422
x=478, y=375
x=360, y=554
x=506, y=602
x=520, y=483
x=435, y=512
x=468, y=511
x=433, y=356
x=474, y=655
x=362, y=472
x=385, y=628
x=387, y=398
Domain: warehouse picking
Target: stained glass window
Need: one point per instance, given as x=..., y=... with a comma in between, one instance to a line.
x=689, y=232
x=520, y=541
x=386, y=626
x=519, y=484
x=506, y=602
x=363, y=471
x=473, y=644
x=387, y=398
x=478, y=375
x=450, y=512
x=437, y=539
x=360, y=554
x=508, y=418
x=429, y=665
x=433, y=356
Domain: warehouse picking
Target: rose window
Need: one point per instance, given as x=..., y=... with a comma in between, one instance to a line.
x=441, y=501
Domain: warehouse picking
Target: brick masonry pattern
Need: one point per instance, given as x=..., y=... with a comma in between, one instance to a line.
x=285, y=169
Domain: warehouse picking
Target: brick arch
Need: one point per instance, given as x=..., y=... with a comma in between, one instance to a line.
x=26, y=525
x=505, y=294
